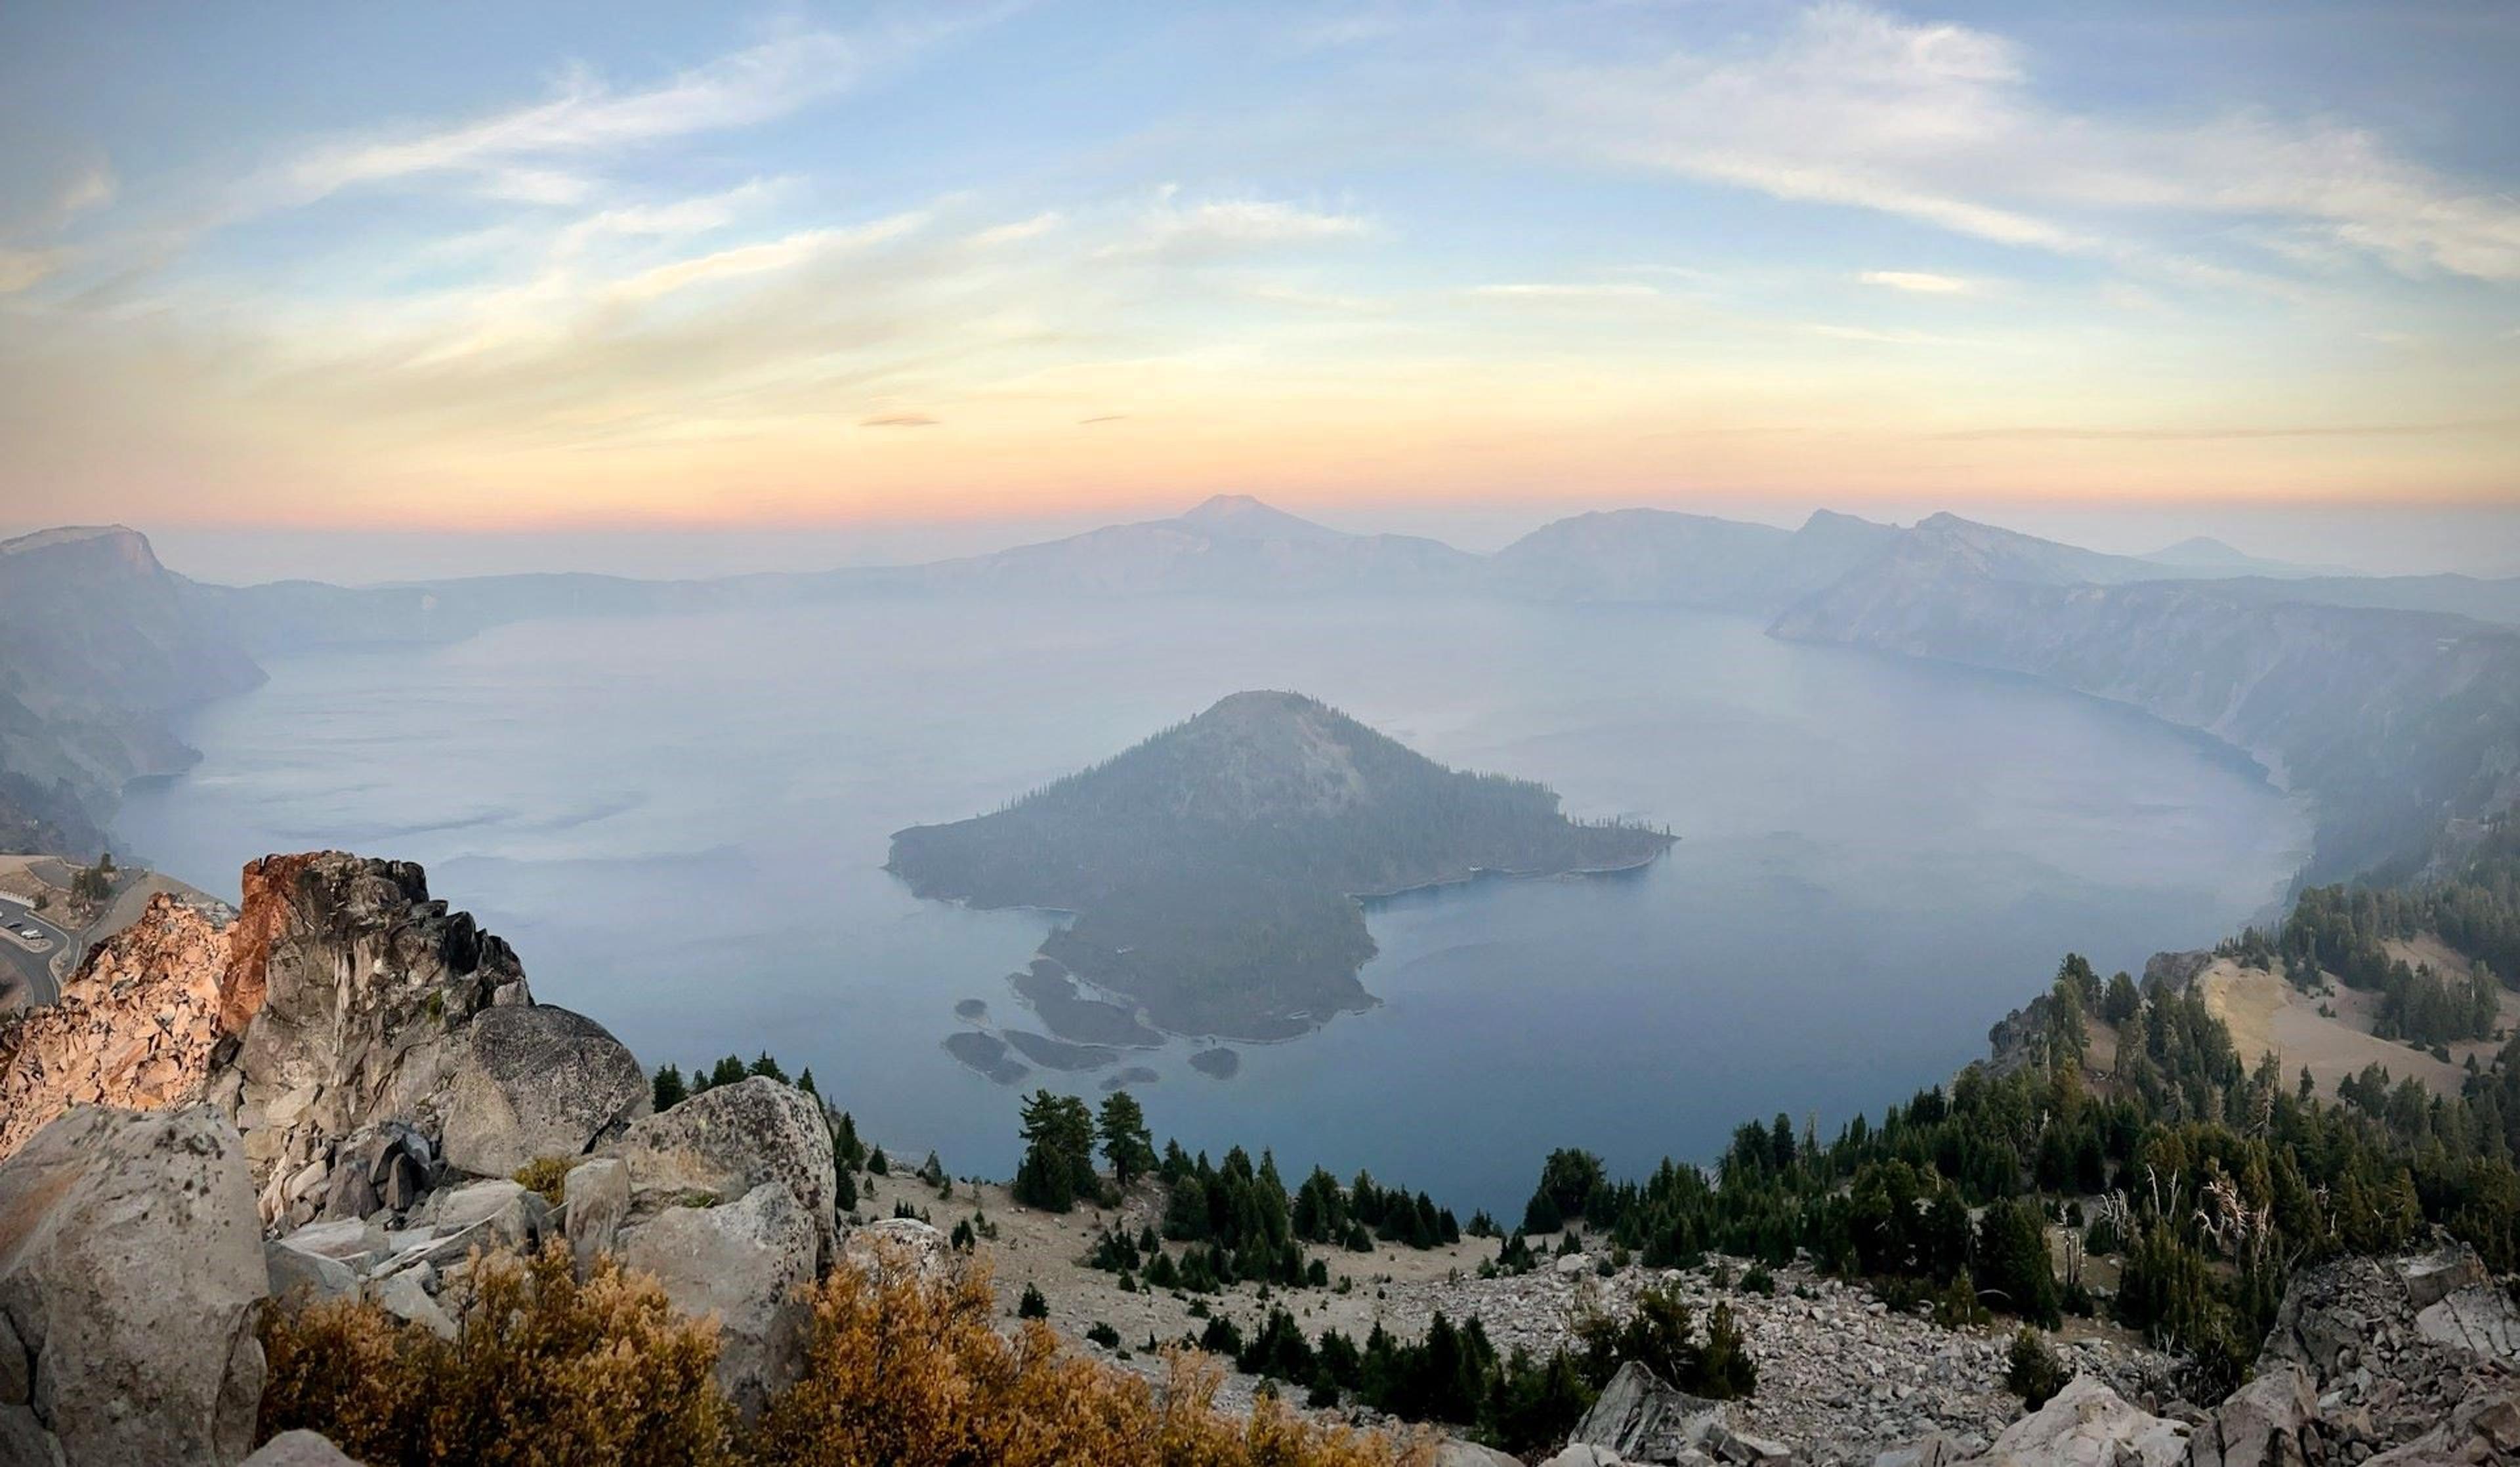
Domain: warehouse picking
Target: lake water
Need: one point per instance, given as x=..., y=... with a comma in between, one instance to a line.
x=681, y=822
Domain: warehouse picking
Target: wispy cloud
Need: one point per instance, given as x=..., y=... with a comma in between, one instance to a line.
x=1228, y=226
x=1939, y=123
x=1564, y=293
x=24, y=268
x=90, y=188
x=520, y=154
x=24, y=264
x=767, y=257
x=898, y=420
x=1016, y=232
x=1918, y=282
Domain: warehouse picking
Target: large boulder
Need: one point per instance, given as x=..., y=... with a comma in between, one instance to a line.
x=2478, y=1318
x=1452, y=1451
x=2436, y=1276
x=2089, y=1425
x=746, y=1262
x=305, y=1278
x=727, y=1140
x=537, y=1081
x=132, y=1275
x=595, y=1198
x=2269, y=1422
x=899, y=1244
x=1643, y=1419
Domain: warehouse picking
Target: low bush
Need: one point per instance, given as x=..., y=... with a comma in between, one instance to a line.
x=902, y=1365
x=551, y=1372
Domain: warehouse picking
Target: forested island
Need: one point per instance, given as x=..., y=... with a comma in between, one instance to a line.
x=1214, y=871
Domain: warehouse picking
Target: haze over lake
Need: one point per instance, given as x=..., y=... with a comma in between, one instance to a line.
x=680, y=823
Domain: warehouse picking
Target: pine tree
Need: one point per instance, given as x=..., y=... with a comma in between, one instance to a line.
x=667, y=1090
x=1057, y=1166
x=1126, y=1142
x=1725, y=1369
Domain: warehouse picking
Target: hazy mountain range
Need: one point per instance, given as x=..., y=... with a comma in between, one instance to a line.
x=2393, y=700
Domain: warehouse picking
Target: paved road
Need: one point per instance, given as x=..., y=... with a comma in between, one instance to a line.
x=37, y=966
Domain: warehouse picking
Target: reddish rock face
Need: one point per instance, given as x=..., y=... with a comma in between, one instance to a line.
x=138, y=1024
x=267, y=883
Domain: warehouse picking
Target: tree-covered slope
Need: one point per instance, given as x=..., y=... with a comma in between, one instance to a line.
x=1213, y=870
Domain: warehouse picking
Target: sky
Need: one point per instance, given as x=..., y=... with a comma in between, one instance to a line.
x=863, y=281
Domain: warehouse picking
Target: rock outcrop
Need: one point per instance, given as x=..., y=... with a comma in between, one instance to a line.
x=364, y=1040
x=1643, y=1419
x=535, y=1081
x=131, y=1276
x=725, y=1142
x=2089, y=1425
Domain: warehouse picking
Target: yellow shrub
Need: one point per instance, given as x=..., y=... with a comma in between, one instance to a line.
x=903, y=1367
x=906, y=1366
x=546, y=1175
x=550, y=1372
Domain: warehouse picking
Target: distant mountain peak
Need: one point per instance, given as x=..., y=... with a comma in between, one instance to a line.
x=1242, y=514
x=2206, y=555
x=132, y=539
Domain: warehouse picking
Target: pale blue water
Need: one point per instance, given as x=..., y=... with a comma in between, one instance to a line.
x=681, y=822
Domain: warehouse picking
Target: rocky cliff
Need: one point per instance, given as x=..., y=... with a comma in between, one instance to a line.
x=341, y=1000
x=327, y=1098
x=101, y=645
x=2392, y=722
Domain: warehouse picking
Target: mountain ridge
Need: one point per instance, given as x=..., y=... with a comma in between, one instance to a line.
x=87, y=703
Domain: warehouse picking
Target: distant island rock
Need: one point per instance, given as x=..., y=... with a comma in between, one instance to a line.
x=1215, y=868
x=986, y=1053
